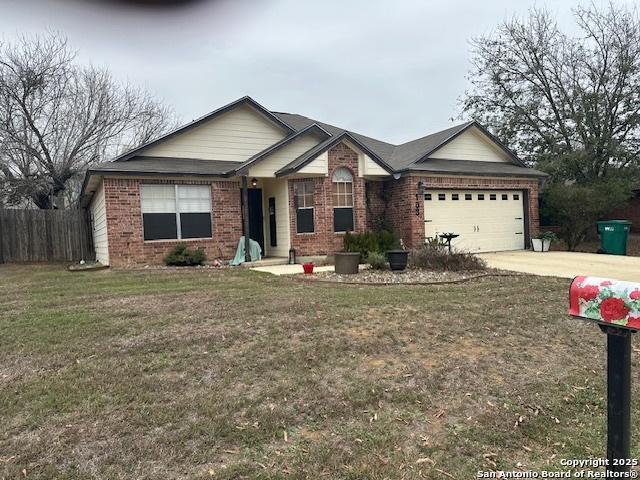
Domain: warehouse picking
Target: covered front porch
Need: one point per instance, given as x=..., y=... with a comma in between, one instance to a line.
x=265, y=216
x=307, y=208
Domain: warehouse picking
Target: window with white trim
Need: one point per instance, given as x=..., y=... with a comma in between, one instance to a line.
x=304, y=202
x=342, y=189
x=175, y=212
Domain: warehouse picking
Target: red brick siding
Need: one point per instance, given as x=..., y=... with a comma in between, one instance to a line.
x=630, y=212
x=324, y=240
x=124, y=223
x=375, y=203
x=406, y=207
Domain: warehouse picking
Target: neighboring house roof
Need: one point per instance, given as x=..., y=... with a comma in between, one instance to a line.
x=164, y=166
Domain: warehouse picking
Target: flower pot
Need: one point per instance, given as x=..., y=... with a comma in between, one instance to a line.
x=541, y=244
x=536, y=244
x=398, y=259
x=347, y=262
x=308, y=268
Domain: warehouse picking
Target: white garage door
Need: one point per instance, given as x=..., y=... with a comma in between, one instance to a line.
x=487, y=221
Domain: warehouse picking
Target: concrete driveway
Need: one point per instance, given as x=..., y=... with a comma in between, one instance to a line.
x=566, y=264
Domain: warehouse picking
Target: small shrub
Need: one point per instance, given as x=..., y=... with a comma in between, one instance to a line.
x=546, y=236
x=367, y=242
x=181, y=256
x=576, y=208
x=377, y=260
x=437, y=257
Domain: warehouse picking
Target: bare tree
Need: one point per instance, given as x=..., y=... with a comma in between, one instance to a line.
x=57, y=117
x=569, y=104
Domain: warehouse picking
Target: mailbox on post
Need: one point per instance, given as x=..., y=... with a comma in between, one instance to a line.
x=616, y=307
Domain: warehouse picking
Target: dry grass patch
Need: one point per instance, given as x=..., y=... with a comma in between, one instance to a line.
x=236, y=374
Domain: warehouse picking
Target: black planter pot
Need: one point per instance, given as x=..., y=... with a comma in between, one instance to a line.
x=347, y=262
x=398, y=259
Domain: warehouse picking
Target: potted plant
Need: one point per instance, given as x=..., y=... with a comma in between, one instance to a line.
x=398, y=258
x=347, y=262
x=542, y=241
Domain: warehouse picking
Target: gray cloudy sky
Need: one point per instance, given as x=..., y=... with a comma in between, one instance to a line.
x=389, y=69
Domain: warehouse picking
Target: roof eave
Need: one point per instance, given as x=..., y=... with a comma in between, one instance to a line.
x=539, y=175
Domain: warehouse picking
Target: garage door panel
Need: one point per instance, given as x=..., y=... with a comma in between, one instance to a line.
x=482, y=223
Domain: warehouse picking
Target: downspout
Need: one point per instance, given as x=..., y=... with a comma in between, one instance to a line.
x=245, y=219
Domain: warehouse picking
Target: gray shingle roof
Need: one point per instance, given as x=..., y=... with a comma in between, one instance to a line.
x=382, y=149
x=165, y=165
x=409, y=156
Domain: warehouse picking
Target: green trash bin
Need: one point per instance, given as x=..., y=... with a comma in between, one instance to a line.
x=613, y=236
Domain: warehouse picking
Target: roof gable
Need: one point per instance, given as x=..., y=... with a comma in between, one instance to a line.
x=310, y=131
x=472, y=144
x=268, y=165
x=238, y=115
x=322, y=147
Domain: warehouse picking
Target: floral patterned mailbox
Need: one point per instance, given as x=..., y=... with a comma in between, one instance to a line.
x=606, y=301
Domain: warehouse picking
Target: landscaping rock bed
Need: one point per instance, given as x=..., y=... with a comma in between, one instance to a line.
x=386, y=277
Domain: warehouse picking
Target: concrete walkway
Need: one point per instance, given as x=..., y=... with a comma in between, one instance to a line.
x=567, y=264
x=290, y=269
x=296, y=268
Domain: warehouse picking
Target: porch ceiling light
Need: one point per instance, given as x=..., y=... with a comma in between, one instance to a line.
x=254, y=182
x=421, y=187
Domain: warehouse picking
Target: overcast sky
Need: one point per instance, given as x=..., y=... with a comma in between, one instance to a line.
x=388, y=69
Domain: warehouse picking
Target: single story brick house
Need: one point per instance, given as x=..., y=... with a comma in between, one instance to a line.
x=297, y=183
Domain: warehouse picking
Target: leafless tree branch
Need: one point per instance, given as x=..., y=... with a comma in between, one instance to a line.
x=58, y=117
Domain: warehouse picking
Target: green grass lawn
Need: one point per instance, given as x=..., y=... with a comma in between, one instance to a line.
x=235, y=374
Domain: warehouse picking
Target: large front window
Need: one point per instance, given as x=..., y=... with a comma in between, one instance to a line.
x=174, y=212
x=342, y=200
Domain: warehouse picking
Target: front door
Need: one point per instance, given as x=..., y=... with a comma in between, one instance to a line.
x=256, y=229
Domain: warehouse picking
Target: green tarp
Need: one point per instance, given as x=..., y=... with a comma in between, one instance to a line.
x=254, y=250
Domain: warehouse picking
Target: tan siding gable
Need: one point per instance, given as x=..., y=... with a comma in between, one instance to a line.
x=472, y=145
x=366, y=165
x=233, y=136
x=99, y=224
x=267, y=166
x=318, y=166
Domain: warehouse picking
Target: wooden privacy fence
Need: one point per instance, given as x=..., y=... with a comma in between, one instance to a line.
x=45, y=236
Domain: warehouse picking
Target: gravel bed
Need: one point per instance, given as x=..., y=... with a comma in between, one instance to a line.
x=387, y=276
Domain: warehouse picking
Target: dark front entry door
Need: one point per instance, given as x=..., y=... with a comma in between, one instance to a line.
x=256, y=229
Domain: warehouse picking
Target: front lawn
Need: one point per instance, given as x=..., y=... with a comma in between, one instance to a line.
x=236, y=374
